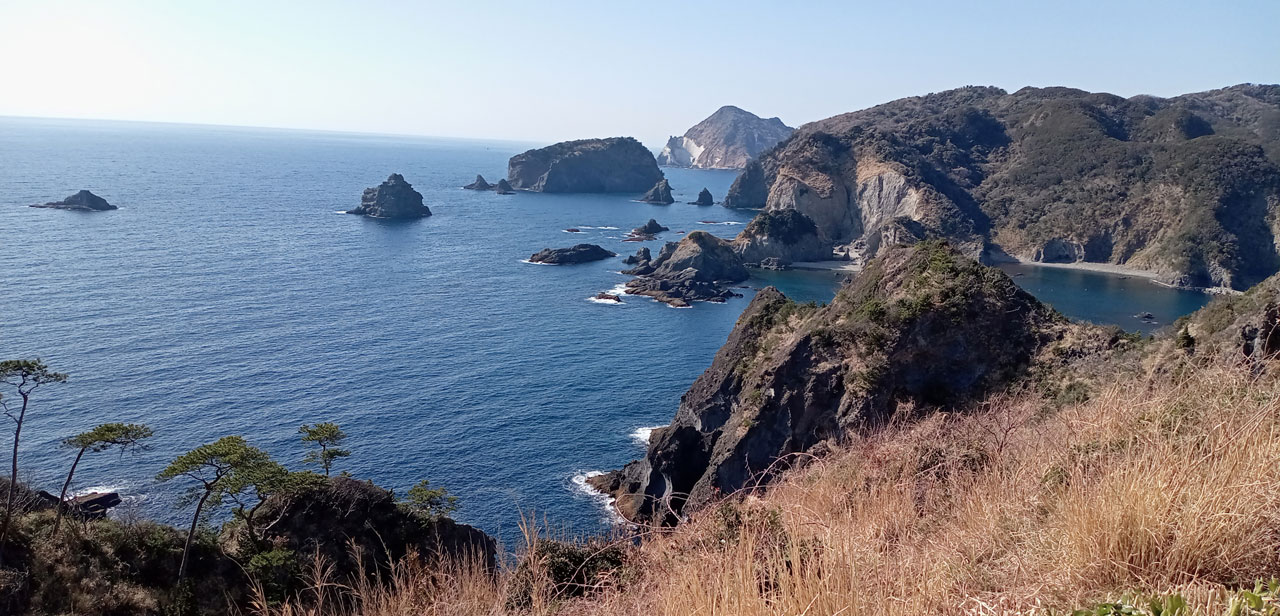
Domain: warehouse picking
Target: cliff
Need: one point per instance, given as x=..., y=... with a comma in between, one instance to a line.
x=1185, y=187
x=617, y=164
x=921, y=328
x=727, y=139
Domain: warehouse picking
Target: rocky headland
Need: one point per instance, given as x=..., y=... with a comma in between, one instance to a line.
x=393, y=199
x=660, y=194
x=1187, y=188
x=83, y=201
x=704, y=198
x=922, y=328
x=727, y=139
x=617, y=164
x=697, y=268
x=581, y=253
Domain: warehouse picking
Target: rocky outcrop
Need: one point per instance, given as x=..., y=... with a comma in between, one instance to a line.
x=726, y=140
x=1243, y=328
x=394, y=198
x=695, y=269
x=340, y=512
x=504, y=188
x=785, y=235
x=1043, y=174
x=649, y=228
x=660, y=194
x=83, y=201
x=581, y=253
x=704, y=198
x=479, y=184
x=921, y=328
x=618, y=164
x=642, y=256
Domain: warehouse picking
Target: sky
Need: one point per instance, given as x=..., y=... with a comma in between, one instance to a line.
x=554, y=70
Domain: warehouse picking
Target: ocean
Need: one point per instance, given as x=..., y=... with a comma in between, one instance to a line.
x=228, y=295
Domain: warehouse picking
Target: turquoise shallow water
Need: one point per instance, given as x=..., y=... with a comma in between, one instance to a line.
x=227, y=296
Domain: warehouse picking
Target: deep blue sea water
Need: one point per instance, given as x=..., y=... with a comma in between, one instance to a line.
x=228, y=296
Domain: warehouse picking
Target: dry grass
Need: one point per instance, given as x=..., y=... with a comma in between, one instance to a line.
x=1149, y=487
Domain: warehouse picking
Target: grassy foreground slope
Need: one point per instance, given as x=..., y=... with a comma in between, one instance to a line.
x=1150, y=486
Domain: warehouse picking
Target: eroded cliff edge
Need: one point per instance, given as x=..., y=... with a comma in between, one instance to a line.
x=1185, y=187
x=922, y=328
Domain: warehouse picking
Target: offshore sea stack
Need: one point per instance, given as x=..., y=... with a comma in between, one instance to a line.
x=83, y=201
x=726, y=140
x=921, y=328
x=704, y=198
x=660, y=194
x=581, y=253
x=1186, y=187
x=695, y=269
x=393, y=199
x=479, y=184
x=617, y=164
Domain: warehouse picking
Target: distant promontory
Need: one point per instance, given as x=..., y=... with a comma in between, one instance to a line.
x=616, y=164
x=726, y=140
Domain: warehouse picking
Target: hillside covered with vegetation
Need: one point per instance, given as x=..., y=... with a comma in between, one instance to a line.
x=1186, y=187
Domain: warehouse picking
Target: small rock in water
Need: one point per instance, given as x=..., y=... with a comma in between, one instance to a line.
x=83, y=200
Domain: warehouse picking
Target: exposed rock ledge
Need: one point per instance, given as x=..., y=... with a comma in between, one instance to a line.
x=695, y=269
x=394, y=198
x=581, y=253
x=83, y=201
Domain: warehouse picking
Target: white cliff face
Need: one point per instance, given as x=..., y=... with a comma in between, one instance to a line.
x=681, y=152
x=864, y=208
x=726, y=140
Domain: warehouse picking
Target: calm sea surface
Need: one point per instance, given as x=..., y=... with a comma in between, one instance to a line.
x=228, y=296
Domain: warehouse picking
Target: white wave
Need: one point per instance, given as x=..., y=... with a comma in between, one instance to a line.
x=607, y=302
x=607, y=228
x=678, y=307
x=579, y=481
x=568, y=231
x=536, y=263
x=641, y=435
x=717, y=222
x=98, y=488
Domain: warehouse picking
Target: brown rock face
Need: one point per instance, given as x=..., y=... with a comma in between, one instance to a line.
x=922, y=327
x=726, y=140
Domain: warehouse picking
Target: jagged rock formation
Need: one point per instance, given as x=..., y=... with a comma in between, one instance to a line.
x=649, y=228
x=617, y=164
x=83, y=201
x=726, y=140
x=692, y=270
x=504, y=188
x=1186, y=187
x=394, y=198
x=660, y=194
x=921, y=328
x=581, y=253
x=786, y=235
x=704, y=198
x=642, y=256
x=479, y=184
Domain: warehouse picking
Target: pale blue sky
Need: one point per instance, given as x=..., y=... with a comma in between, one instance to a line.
x=546, y=71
